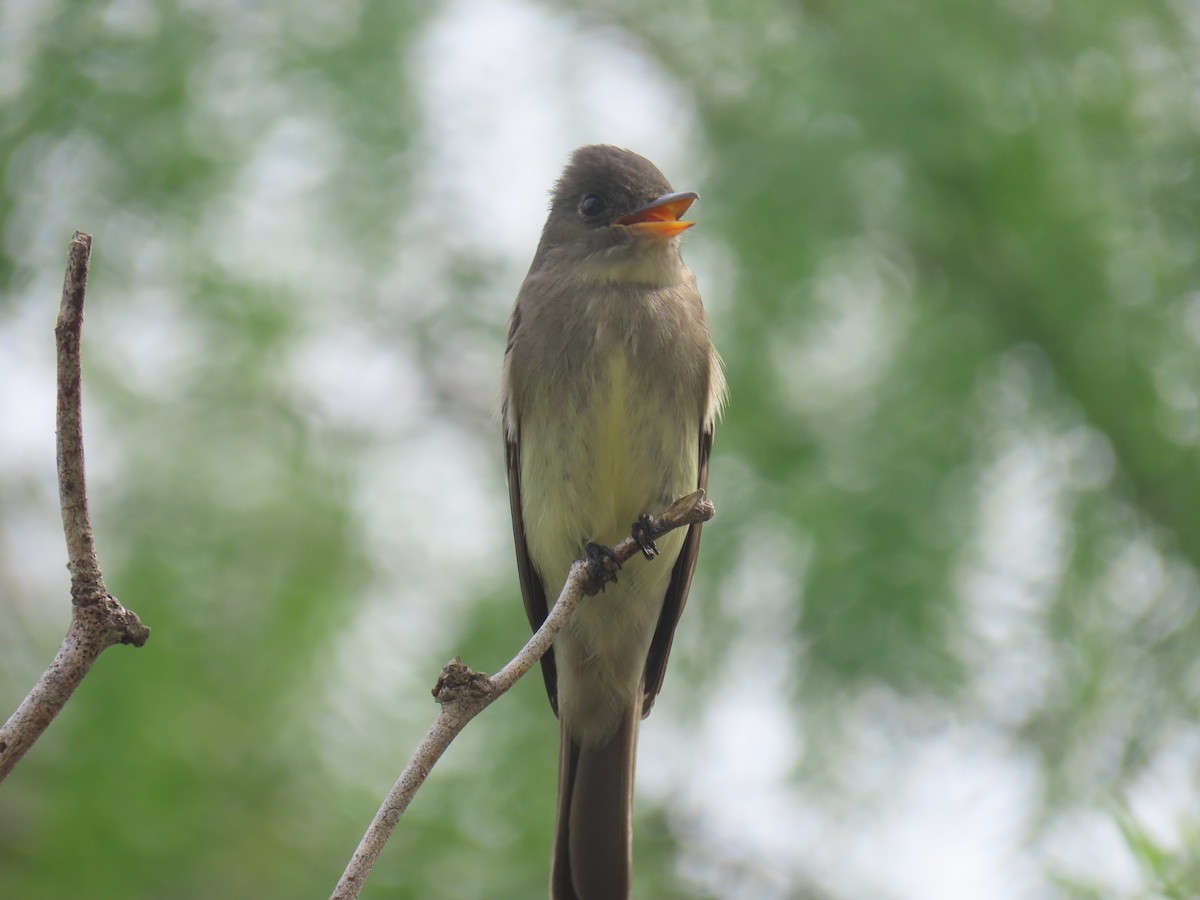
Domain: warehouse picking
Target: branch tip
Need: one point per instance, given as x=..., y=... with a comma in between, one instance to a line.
x=98, y=620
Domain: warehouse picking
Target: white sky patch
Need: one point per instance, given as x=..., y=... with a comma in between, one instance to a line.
x=269, y=226
x=1020, y=541
x=1087, y=846
x=435, y=533
x=952, y=821
x=831, y=358
x=20, y=22
x=937, y=813
x=1018, y=551
x=348, y=378
x=27, y=390
x=1162, y=800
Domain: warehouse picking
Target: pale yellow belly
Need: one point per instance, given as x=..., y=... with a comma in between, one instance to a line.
x=586, y=475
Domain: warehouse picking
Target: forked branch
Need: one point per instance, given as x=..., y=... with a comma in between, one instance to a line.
x=97, y=620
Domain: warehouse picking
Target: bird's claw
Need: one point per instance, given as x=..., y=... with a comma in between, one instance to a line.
x=603, y=565
x=642, y=534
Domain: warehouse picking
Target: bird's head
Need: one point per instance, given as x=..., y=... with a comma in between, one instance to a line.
x=613, y=216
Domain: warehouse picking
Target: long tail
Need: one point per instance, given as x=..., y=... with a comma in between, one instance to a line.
x=593, y=844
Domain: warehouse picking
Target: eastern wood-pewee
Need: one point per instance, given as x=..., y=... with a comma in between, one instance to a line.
x=611, y=386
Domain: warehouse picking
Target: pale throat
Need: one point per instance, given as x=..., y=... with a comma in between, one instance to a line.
x=656, y=265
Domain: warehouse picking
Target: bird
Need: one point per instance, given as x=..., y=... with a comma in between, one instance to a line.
x=611, y=391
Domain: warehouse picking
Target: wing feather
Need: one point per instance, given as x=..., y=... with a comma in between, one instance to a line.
x=677, y=592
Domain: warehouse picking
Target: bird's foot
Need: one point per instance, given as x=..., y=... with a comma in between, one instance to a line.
x=603, y=565
x=643, y=535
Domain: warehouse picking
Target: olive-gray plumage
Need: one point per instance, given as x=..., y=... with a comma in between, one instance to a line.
x=611, y=388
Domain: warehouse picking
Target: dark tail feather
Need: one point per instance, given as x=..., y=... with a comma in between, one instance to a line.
x=593, y=844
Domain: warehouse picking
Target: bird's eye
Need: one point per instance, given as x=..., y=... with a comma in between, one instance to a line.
x=592, y=205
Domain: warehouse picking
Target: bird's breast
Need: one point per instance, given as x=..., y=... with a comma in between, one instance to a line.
x=599, y=447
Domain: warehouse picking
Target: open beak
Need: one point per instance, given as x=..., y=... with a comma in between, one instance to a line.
x=660, y=218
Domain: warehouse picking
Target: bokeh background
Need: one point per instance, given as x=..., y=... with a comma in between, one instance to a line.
x=943, y=640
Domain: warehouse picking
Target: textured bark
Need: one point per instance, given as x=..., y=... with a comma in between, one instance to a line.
x=97, y=620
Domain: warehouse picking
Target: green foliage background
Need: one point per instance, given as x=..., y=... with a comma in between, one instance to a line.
x=951, y=255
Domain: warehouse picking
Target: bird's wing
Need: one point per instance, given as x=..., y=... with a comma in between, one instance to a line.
x=677, y=591
x=531, y=584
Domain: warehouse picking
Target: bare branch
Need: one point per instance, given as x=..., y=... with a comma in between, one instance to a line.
x=463, y=694
x=72, y=487
x=97, y=620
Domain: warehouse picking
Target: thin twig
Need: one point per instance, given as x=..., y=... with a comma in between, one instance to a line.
x=87, y=584
x=463, y=694
x=97, y=620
